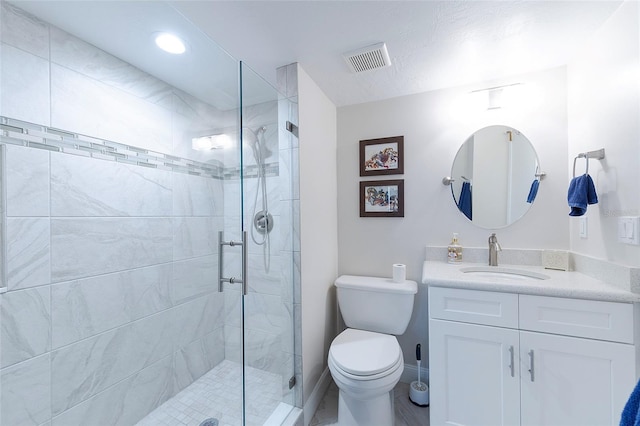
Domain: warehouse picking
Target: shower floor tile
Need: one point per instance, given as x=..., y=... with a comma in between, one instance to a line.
x=218, y=394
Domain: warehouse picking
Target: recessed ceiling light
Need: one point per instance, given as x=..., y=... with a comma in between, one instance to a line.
x=170, y=43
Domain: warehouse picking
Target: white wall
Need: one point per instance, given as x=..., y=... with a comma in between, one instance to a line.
x=604, y=112
x=318, y=227
x=434, y=125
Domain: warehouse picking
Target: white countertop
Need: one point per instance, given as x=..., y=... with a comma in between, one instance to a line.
x=560, y=283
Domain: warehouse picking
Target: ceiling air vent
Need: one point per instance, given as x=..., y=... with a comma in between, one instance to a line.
x=368, y=58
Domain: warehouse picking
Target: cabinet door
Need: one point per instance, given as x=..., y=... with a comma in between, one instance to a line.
x=573, y=381
x=473, y=374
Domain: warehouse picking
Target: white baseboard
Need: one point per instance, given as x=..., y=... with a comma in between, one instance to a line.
x=410, y=374
x=312, y=403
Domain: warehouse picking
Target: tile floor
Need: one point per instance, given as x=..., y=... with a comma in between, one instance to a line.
x=407, y=414
x=218, y=394
x=222, y=386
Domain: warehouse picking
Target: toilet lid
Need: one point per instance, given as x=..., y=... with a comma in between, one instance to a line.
x=364, y=353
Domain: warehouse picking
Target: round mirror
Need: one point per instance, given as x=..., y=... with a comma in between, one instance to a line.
x=495, y=176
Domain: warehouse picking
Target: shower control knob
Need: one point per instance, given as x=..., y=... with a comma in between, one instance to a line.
x=263, y=222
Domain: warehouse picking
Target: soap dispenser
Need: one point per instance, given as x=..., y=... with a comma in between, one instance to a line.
x=454, y=254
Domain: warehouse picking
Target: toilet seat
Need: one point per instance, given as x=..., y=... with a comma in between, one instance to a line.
x=365, y=355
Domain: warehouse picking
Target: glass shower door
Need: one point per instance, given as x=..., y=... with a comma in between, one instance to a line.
x=114, y=187
x=267, y=220
x=118, y=171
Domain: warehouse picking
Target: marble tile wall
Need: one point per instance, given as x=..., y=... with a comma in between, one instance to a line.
x=114, y=294
x=24, y=76
x=112, y=305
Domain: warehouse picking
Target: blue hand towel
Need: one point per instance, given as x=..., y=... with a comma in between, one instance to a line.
x=631, y=412
x=581, y=192
x=533, y=191
x=464, y=203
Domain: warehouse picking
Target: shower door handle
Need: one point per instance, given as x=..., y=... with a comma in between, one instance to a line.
x=512, y=364
x=232, y=280
x=244, y=263
x=220, y=261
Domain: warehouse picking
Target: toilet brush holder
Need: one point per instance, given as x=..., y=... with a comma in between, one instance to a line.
x=419, y=393
x=418, y=390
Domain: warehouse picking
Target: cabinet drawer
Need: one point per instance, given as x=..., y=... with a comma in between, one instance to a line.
x=479, y=307
x=573, y=317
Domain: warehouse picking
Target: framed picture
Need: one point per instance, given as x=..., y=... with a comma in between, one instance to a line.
x=382, y=198
x=382, y=156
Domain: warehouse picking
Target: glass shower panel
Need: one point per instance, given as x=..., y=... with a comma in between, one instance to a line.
x=268, y=221
x=114, y=172
x=120, y=165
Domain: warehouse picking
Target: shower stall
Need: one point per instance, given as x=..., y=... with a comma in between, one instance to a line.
x=147, y=230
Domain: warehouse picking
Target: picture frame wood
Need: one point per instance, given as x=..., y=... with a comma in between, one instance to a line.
x=382, y=198
x=383, y=156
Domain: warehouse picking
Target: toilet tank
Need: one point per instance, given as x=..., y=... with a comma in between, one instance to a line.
x=375, y=304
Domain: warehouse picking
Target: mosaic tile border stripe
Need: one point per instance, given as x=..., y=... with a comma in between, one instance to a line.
x=42, y=137
x=270, y=169
x=17, y=132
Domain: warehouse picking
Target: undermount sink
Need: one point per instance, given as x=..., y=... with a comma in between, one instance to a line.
x=503, y=273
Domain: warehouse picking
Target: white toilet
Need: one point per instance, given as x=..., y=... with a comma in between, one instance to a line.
x=365, y=360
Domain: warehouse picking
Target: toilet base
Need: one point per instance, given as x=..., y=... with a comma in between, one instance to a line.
x=378, y=411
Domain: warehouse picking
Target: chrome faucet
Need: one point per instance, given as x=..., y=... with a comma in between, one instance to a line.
x=494, y=248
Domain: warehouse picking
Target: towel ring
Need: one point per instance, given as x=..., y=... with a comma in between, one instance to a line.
x=598, y=155
x=574, y=164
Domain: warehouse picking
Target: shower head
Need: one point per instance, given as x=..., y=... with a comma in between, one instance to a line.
x=251, y=136
x=255, y=140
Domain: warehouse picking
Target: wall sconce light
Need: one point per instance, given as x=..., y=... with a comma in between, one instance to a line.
x=208, y=143
x=495, y=95
x=494, y=98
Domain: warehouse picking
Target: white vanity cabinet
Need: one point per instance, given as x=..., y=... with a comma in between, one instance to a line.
x=468, y=381
x=512, y=359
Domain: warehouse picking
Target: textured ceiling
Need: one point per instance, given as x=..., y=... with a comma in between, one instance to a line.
x=432, y=44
